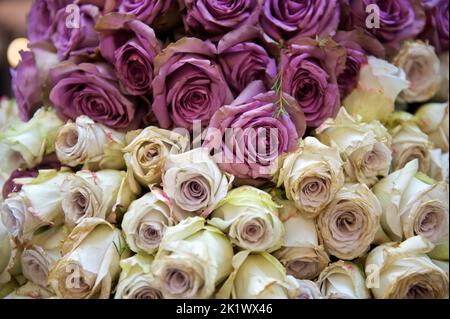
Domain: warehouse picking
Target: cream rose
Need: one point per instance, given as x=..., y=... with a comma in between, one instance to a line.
x=33, y=139
x=442, y=94
x=365, y=148
x=413, y=204
x=422, y=68
x=90, y=263
x=147, y=152
x=311, y=176
x=90, y=144
x=249, y=217
x=94, y=194
x=38, y=204
x=308, y=290
x=136, y=279
x=194, y=183
x=378, y=87
x=258, y=276
x=439, y=165
x=404, y=271
x=192, y=260
x=146, y=220
x=41, y=253
x=343, y=280
x=301, y=254
x=408, y=143
x=349, y=224
x=433, y=120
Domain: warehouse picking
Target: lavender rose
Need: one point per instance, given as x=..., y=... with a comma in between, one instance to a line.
x=252, y=132
x=92, y=90
x=41, y=19
x=131, y=46
x=189, y=85
x=309, y=73
x=399, y=19
x=436, y=28
x=289, y=19
x=29, y=78
x=244, y=58
x=77, y=39
x=358, y=44
x=215, y=17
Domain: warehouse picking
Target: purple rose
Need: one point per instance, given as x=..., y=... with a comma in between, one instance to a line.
x=399, y=19
x=92, y=90
x=248, y=136
x=436, y=29
x=49, y=162
x=41, y=19
x=310, y=71
x=189, y=85
x=30, y=76
x=358, y=44
x=156, y=13
x=244, y=59
x=80, y=36
x=131, y=46
x=215, y=17
x=288, y=19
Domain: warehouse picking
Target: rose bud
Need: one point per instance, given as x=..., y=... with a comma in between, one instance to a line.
x=33, y=139
x=249, y=135
x=258, y=276
x=29, y=79
x=365, y=147
x=378, y=87
x=214, y=18
x=146, y=154
x=41, y=253
x=38, y=204
x=309, y=70
x=41, y=19
x=413, y=204
x=308, y=290
x=192, y=260
x=244, y=58
x=404, y=271
x=90, y=262
x=439, y=165
x=433, y=120
x=436, y=28
x=131, y=46
x=79, y=39
x=301, y=254
x=90, y=144
x=136, y=279
x=291, y=20
x=92, y=90
x=408, y=143
x=312, y=176
x=146, y=221
x=343, y=280
x=103, y=194
x=194, y=183
x=249, y=217
x=422, y=68
x=349, y=224
x=398, y=21
x=188, y=85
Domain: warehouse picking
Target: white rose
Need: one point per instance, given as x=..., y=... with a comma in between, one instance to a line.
x=433, y=120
